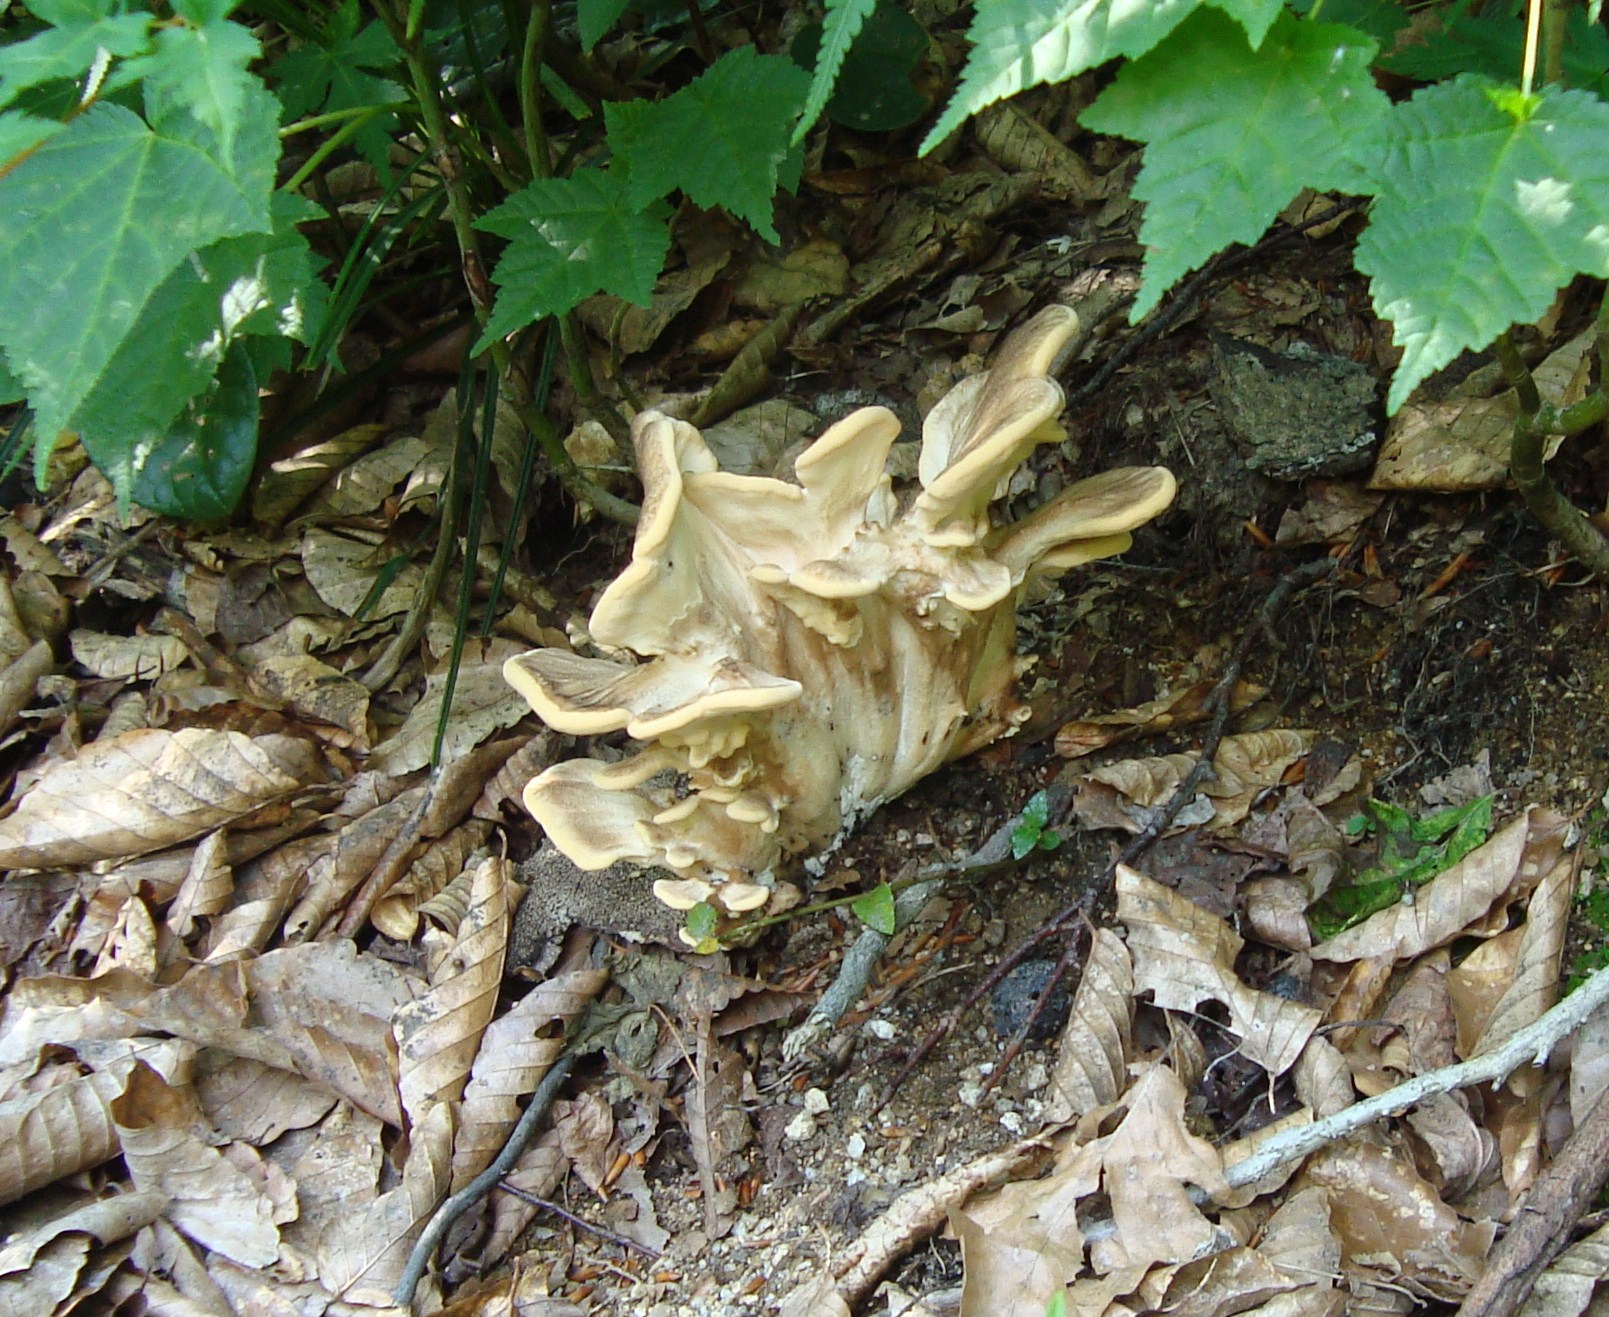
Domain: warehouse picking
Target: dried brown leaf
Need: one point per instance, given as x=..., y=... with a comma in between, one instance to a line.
x=1181, y=708
x=343, y=570
x=290, y=480
x=339, y=872
x=45, y=1136
x=1297, y=1239
x=162, y=1134
x=209, y=882
x=396, y=913
x=439, y=1033
x=148, y=789
x=586, y=1129
x=139, y=658
x=1457, y=1151
x=249, y=1100
x=1541, y=953
x=1567, y=1286
x=516, y=1051
x=1477, y=983
x=1393, y=1225
x=1124, y=794
x=1505, y=869
x=539, y=1171
x=717, y=1124
x=361, y=1255
x=1323, y=1078
x=483, y=705
x=1091, y=1067
x=106, y=1220
x=317, y=692
x=1589, y=1066
x=1186, y=956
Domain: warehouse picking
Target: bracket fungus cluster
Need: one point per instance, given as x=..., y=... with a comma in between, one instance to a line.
x=811, y=650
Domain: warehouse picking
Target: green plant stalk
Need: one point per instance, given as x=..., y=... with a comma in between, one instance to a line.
x=324, y=120
x=1528, y=447
x=325, y=149
x=428, y=92
x=537, y=150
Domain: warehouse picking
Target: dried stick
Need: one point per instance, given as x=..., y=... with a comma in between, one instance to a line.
x=482, y=1184
x=1541, y=1227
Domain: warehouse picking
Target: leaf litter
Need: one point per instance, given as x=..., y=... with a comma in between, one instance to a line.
x=261, y=1018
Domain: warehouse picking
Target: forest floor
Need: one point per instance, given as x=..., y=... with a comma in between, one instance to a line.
x=257, y=995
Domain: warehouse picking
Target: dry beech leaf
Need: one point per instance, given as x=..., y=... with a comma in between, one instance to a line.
x=1181, y=708
x=317, y=692
x=289, y=481
x=1091, y=1067
x=363, y=485
x=1297, y=1239
x=1186, y=956
x=1235, y=1280
x=336, y=1173
x=161, y=1131
x=343, y=569
x=539, y=1171
x=1516, y=1112
x=1145, y=1164
x=1323, y=1079
x=483, y=705
x=1124, y=794
x=264, y=890
x=1541, y=952
x=586, y=1127
x=55, y=1273
x=1477, y=983
x=320, y=1010
x=1252, y=1144
x=1393, y=1225
x=439, y=1032
x=362, y=1253
x=148, y=789
x=1589, y=1066
x=717, y=1124
x=1566, y=1287
x=1458, y=1148
x=65, y=1129
x=396, y=914
x=106, y=1220
x=139, y=658
x=339, y=872
x=515, y=1052
x=255, y=1103
x=1505, y=869
x=208, y=883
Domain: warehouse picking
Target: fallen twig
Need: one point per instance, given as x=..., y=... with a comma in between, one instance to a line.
x=1541, y=1227
x=482, y=1184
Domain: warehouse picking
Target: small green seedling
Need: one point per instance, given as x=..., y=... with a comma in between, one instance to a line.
x=875, y=909
x=1031, y=834
x=700, y=925
x=1411, y=852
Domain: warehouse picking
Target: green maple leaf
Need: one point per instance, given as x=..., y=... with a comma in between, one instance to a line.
x=96, y=219
x=721, y=139
x=568, y=239
x=22, y=132
x=70, y=46
x=1233, y=134
x=1486, y=206
x=344, y=75
x=198, y=68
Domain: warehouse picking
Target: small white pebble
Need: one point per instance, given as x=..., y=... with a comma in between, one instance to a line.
x=1034, y=1077
x=970, y=1092
x=924, y=839
x=855, y=1147
x=816, y=1102
x=883, y=1030
x=1011, y=1122
x=800, y=1128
